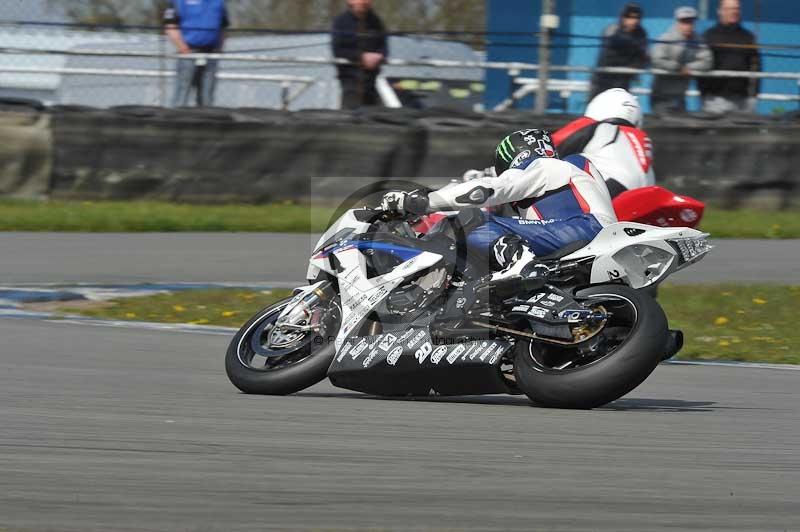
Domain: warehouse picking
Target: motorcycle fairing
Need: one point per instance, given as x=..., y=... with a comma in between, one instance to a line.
x=343, y=228
x=636, y=254
x=360, y=294
x=410, y=362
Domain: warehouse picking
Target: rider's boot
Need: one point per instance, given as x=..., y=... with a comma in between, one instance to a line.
x=515, y=268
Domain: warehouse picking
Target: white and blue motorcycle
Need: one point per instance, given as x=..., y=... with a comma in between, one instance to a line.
x=388, y=312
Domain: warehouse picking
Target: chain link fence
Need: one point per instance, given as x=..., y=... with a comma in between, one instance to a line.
x=45, y=55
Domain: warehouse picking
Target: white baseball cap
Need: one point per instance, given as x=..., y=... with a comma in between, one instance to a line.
x=685, y=12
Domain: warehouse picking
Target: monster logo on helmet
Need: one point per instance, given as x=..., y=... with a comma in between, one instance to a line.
x=522, y=147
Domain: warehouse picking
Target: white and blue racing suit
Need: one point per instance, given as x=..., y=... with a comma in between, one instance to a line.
x=557, y=202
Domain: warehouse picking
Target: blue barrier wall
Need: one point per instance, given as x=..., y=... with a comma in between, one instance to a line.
x=583, y=21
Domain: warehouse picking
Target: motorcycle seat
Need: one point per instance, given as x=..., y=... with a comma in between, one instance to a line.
x=566, y=250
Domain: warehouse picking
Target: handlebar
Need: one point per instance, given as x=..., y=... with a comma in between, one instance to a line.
x=372, y=215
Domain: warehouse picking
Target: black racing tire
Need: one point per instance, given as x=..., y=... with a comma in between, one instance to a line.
x=610, y=377
x=283, y=380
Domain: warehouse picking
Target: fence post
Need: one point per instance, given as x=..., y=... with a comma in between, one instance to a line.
x=547, y=22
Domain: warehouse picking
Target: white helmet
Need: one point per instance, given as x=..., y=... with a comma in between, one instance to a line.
x=615, y=103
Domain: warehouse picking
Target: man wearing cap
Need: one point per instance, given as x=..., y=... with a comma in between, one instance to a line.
x=624, y=45
x=733, y=48
x=678, y=50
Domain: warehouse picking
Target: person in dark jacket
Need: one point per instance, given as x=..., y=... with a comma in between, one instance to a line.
x=624, y=45
x=360, y=37
x=734, y=48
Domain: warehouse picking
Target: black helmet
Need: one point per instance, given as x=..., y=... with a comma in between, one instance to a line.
x=518, y=149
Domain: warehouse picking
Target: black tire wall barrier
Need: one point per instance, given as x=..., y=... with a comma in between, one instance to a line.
x=260, y=155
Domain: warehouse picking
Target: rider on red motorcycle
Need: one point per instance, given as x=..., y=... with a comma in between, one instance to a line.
x=610, y=135
x=557, y=202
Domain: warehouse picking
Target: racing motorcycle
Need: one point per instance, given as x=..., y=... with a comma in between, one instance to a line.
x=390, y=312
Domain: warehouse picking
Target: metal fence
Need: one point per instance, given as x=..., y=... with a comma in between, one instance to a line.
x=44, y=57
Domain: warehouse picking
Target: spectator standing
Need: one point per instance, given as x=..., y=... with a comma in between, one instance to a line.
x=624, y=45
x=679, y=51
x=196, y=26
x=360, y=37
x=733, y=48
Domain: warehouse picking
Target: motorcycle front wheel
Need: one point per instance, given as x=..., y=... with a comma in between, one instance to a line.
x=611, y=364
x=255, y=367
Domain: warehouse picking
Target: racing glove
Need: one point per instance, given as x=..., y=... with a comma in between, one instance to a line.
x=414, y=202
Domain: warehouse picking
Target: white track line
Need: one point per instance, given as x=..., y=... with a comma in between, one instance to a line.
x=735, y=364
x=230, y=331
x=170, y=327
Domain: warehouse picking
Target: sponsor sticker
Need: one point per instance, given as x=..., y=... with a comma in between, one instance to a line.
x=538, y=312
x=536, y=297
x=453, y=356
x=377, y=296
x=437, y=355
x=487, y=351
x=521, y=308
x=416, y=339
x=357, y=350
x=394, y=356
x=406, y=335
x=387, y=341
x=688, y=215
x=472, y=348
x=525, y=221
x=343, y=351
x=497, y=354
x=478, y=350
x=369, y=358
x=555, y=297
x=423, y=352
x=520, y=158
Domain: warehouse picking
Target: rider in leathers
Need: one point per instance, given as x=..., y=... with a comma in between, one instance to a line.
x=610, y=135
x=557, y=202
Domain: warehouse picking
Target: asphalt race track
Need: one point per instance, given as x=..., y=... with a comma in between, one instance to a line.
x=123, y=429
x=283, y=258
x=108, y=428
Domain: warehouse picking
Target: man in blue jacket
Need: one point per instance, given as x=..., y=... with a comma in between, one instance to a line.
x=196, y=26
x=359, y=36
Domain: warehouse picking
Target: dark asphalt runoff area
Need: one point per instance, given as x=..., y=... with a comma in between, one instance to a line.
x=106, y=429
x=283, y=259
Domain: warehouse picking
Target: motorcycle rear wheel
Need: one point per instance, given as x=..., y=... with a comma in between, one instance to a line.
x=618, y=366
x=290, y=372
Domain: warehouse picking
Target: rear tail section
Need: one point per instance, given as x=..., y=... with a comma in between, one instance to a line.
x=658, y=206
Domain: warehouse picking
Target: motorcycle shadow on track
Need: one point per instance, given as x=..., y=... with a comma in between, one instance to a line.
x=633, y=404
x=660, y=405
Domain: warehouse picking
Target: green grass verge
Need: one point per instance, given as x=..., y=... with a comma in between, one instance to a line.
x=720, y=322
x=227, y=306
x=143, y=216
x=735, y=322
x=151, y=216
x=751, y=223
